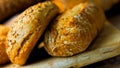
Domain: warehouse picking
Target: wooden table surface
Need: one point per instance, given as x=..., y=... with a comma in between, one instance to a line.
x=113, y=15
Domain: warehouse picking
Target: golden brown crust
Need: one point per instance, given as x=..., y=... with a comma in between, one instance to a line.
x=27, y=29
x=9, y=7
x=72, y=32
x=3, y=35
x=68, y=4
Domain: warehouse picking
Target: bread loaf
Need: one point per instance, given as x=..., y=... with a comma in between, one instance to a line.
x=73, y=31
x=68, y=4
x=27, y=29
x=3, y=34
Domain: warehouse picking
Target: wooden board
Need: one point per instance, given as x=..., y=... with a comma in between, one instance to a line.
x=106, y=45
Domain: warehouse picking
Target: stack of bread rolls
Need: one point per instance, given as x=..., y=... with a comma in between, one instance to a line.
x=73, y=25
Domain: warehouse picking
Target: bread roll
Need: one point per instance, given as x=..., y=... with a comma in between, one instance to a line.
x=68, y=4
x=9, y=7
x=27, y=29
x=3, y=34
x=73, y=31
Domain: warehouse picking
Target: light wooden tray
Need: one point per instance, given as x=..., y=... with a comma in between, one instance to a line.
x=106, y=45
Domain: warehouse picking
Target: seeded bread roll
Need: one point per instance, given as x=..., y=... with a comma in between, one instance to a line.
x=9, y=7
x=73, y=31
x=3, y=34
x=27, y=29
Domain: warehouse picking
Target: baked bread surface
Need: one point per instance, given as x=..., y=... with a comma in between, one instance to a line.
x=3, y=34
x=27, y=29
x=73, y=31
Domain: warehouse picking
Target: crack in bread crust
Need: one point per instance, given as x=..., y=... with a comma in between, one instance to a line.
x=25, y=40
